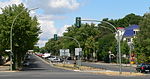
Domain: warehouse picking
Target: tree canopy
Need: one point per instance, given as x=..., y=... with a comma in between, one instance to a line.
x=95, y=39
x=142, y=41
x=24, y=33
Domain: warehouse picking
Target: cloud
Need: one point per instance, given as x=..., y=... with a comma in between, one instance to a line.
x=6, y=3
x=49, y=11
x=69, y=4
x=10, y=2
x=48, y=29
x=41, y=43
x=52, y=10
x=63, y=29
x=51, y=17
x=54, y=6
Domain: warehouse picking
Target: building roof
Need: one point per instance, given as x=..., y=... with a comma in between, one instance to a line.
x=129, y=30
x=132, y=27
x=120, y=28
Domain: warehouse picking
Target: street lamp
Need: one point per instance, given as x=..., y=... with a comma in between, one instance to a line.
x=11, y=53
x=118, y=36
x=130, y=46
x=79, y=58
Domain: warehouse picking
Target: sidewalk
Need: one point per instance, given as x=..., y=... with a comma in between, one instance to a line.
x=5, y=67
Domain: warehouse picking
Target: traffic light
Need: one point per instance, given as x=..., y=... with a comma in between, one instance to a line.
x=78, y=22
x=55, y=36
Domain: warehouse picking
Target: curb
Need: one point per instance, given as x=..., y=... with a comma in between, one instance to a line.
x=9, y=71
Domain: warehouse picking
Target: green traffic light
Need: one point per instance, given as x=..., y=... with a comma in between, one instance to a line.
x=55, y=36
x=78, y=22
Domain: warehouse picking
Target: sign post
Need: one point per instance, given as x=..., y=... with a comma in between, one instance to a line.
x=78, y=52
x=64, y=53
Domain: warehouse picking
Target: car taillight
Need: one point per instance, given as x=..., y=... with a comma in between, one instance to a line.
x=142, y=68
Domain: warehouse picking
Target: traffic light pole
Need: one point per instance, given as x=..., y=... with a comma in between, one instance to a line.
x=118, y=38
x=79, y=58
x=119, y=54
x=130, y=44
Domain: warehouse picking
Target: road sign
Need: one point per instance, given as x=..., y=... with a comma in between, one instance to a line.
x=8, y=50
x=119, y=34
x=64, y=52
x=78, y=51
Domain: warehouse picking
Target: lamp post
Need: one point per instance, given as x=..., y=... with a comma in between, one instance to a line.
x=130, y=46
x=79, y=58
x=118, y=36
x=11, y=53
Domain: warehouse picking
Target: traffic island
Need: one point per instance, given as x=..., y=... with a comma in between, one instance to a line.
x=95, y=70
x=76, y=68
x=115, y=73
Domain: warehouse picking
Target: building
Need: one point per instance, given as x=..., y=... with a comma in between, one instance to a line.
x=130, y=33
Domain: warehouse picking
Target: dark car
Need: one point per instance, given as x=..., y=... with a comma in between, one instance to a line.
x=26, y=63
x=143, y=68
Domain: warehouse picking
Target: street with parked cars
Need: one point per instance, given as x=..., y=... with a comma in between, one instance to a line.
x=49, y=57
x=39, y=69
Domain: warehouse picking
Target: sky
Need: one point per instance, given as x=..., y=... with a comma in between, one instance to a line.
x=55, y=16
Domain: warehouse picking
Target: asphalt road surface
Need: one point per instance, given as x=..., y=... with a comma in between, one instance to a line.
x=112, y=67
x=109, y=67
x=38, y=65
x=42, y=70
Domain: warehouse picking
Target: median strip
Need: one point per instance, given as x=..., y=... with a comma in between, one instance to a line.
x=95, y=70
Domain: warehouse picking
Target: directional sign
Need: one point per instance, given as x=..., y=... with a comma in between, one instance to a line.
x=64, y=52
x=78, y=51
x=119, y=34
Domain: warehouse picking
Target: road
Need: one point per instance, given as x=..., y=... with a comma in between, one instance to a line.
x=38, y=65
x=107, y=66
x=42, y=70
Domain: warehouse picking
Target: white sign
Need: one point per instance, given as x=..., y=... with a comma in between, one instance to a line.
x=64, y=52
x=8, y=50
x=119, y=34
x=77, y=51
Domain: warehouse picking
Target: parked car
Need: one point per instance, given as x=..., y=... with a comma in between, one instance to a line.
x=143, y=68
x=27, y=57
x=54, y=59
x=26, y=63
x=51, y=58
x=57, y=60
x=46, y=55
x=39, y=54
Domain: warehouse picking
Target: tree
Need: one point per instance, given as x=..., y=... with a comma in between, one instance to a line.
x=130, y=19
x=142, y=41
x=25, y=31
x=93, y=39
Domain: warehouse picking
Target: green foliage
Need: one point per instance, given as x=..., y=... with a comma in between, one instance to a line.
x=36, y=49
x=94, y=39
x=24, y=34
x=125, y=48
x=142, y=42
x=130, y=19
